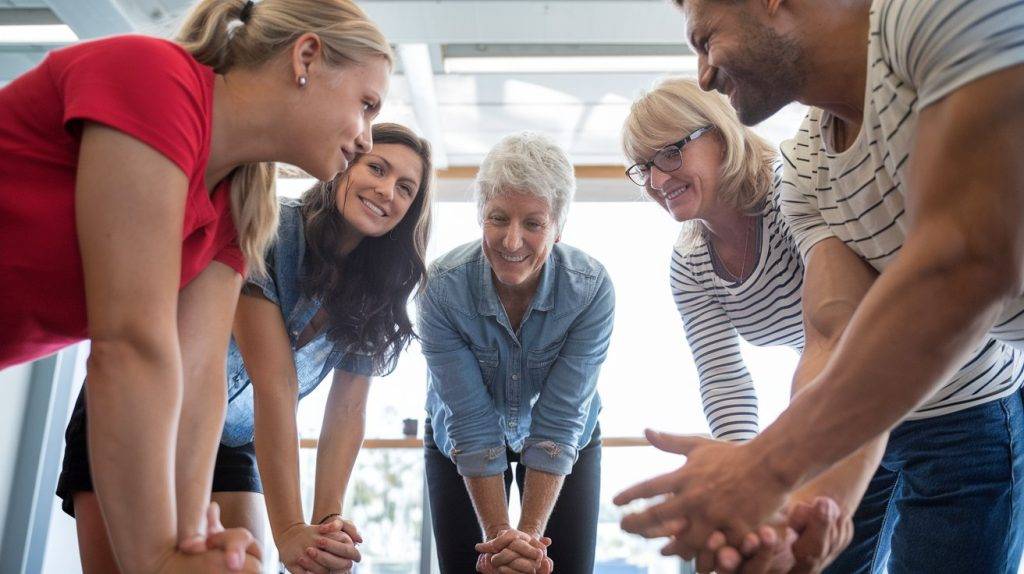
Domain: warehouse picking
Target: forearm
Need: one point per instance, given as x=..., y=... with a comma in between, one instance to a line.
x=846, y=481
x=277, y=455
x=133, y=400
x=540, y=492
x=916, y=325
x=199, y=430
x=488, y=496
x=340, y=442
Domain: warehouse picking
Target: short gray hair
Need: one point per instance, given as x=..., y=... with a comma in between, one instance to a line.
x=527, y=163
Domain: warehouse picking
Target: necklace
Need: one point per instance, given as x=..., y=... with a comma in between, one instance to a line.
x=743, y=261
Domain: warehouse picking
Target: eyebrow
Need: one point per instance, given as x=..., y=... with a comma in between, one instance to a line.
x=391, y=167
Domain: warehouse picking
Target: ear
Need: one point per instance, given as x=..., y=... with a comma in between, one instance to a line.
x=305, y=51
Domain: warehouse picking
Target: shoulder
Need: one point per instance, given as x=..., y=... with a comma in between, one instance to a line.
x=569, y=259
x=450, y=273
x=131, y=54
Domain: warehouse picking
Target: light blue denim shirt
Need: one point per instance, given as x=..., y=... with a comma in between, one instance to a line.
x=314, y=360
x=534, y=391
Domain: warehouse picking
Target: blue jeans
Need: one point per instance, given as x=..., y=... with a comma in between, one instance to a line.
x=947, y=497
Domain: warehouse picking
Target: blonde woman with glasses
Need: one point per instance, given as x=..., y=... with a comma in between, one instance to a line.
x=735, y=271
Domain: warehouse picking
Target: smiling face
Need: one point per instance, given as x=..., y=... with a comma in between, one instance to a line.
x=330, y=115
x=691, y=190
x=742, y=57
x=376, y=192
x=519, y=231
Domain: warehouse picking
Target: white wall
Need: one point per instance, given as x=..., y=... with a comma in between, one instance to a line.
x=14, y=385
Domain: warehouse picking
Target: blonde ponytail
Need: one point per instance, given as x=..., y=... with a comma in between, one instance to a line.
x=216, y=37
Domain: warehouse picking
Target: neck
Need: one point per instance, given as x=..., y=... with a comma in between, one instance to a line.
x=350, y=239
x=516, y=294
x=240, y=123
x=837, y=54
x=729, y=227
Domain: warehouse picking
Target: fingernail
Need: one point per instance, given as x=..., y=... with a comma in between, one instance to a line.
x=235, y=561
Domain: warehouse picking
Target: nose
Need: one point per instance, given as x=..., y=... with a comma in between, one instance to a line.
x=705, y=73
x=387, y=190
x=364, y=141
x=658, y=178
x=513, y=239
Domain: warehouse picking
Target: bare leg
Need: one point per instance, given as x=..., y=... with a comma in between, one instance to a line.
x=93, y=543
x=243, y=510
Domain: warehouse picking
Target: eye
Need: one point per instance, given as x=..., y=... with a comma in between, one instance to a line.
x=405, y=190
x=534, y=225
x=376, y=169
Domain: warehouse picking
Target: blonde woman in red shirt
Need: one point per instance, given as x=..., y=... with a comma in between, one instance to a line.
x=136, y=182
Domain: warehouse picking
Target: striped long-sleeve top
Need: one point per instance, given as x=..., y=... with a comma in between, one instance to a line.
x=764, y=309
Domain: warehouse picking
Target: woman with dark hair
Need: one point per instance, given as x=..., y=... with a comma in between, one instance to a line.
x=348, y=256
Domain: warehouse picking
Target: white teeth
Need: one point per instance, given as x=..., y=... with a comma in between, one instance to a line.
x=676, y=193
x=513, y=259
x=373, y=207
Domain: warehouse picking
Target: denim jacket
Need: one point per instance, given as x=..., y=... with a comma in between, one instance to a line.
x=534, y=391
x=315, y=360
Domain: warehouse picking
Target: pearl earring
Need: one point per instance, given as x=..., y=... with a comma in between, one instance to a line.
x=302, y=80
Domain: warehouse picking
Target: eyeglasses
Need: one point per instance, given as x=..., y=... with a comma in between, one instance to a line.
x=668, y=158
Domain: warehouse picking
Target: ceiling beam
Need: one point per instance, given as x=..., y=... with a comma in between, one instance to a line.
x=92, y=18
x=527, y=21
x=419, y=74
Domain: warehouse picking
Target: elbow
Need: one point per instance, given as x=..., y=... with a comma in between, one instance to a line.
x=140, y=351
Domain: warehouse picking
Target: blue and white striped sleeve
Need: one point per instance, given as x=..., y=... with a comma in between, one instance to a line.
x=726, y=388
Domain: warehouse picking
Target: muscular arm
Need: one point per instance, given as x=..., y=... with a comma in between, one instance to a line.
x=835, y=282
x=341, y=437
x=962, y=260
x=129, y=209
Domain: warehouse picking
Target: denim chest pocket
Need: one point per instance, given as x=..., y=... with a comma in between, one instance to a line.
x=487, y=358
x=539, y=361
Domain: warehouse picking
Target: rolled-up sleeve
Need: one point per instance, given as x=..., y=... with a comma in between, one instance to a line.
x=560, y=415
x=454, y=375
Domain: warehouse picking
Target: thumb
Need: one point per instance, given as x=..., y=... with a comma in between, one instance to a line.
x=213, y=525
x=675, y=443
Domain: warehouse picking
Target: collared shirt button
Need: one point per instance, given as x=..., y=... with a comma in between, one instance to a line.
x=515, y=377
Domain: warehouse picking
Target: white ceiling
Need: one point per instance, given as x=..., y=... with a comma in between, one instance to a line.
x=462, y=114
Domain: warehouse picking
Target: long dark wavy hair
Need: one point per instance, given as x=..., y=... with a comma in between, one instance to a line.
x=365, y=293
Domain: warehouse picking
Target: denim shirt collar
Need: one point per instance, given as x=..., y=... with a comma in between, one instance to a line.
x=488, y=303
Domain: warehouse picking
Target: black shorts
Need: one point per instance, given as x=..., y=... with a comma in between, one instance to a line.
x=234, y=471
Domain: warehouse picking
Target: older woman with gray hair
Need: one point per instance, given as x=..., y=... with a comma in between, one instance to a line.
x=514, y=327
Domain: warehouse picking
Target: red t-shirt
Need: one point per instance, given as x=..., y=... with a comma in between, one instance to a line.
x=148, y=88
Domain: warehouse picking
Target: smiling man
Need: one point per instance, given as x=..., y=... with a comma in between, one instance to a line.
x=908, y=161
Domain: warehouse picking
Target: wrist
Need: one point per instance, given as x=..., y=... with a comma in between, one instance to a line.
x=326, y=517
x=492, y=530
x=532, y=529
x=281, y=530
x=774, y=458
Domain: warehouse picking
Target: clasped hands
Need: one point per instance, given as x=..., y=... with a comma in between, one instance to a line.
x=327, y=548
x=731, y=511
x=513, y=551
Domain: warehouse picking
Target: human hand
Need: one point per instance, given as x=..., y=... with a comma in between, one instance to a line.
x=514, y=551
x=824, y=532
x=319, y=549
x=814, y=533
x=723, y=487
x=211, y=561
x=237, y=545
